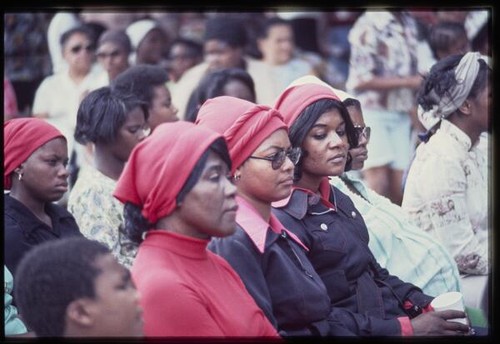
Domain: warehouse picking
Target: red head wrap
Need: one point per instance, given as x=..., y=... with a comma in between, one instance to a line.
x=295, y=99
x=23, y=136
x=159, y=166
x=244, y=124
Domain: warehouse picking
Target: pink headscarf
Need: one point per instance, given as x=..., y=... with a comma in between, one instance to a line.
x=244, y=124
x=23, y=136
x=160, y=165
x=296, y=98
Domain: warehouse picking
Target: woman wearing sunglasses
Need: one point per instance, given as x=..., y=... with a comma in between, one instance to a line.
x=270, y=260
x=368, y=300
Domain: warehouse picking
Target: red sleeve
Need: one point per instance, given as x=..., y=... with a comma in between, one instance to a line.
x=406, y=328
x=174, y=309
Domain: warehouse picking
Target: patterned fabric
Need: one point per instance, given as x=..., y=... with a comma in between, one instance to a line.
x=25, y=46
x=382, y=46
x=399, y=246
x=446, y=194
x=98, y=214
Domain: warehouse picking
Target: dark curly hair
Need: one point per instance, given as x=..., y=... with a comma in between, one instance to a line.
x=308, y=117
x=141, y=81
x=51, y=276
x=441, y=79
x=101, y=114
x=135, y=224
x=212, y=85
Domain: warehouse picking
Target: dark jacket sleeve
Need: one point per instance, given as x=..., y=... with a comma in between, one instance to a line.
x=403, y=290
x=246, y=262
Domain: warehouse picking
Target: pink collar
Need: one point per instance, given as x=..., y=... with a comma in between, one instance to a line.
x=255, y=226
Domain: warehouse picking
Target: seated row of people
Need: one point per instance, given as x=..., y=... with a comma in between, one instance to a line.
x=257, y=189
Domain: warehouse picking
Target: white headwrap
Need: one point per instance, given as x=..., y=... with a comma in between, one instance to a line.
x=311, y=79
x=465, y=74
x=138, y=30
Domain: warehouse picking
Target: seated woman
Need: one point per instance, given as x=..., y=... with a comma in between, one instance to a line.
x=446, y=192
x=234, y=82
x=174, y=203
x=270, y=260
x=392, y=235
x=114, y=123
x=368, y=300
x=35, y=172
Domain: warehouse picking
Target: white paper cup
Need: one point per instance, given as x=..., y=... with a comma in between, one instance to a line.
x=452, y=300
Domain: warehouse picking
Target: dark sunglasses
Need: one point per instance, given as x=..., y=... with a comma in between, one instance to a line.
x=362, y=131
x=278, y=159
x=76, y=49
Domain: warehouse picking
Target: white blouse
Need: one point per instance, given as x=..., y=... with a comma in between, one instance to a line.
x=446, y=194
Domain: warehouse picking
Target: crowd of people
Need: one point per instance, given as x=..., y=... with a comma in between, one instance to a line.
x=217, y=175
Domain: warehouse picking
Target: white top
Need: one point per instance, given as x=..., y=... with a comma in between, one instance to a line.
x=59, y=96
x=446, y=194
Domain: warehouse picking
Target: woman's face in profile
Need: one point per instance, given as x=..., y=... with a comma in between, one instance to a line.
x=45, y=173
x=209, y=209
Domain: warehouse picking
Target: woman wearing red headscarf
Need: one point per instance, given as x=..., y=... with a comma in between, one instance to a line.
x=35, y=172
x=174, y=203
x=369, y=300
x=270, y=260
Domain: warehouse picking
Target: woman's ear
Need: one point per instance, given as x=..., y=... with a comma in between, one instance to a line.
x=465, y=108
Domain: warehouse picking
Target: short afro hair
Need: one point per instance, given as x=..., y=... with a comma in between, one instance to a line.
x=141, y=80
x=51, y=276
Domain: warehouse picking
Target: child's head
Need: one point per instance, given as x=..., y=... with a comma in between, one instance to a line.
x=75, y=287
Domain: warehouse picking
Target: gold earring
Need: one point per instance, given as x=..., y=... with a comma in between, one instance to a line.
x=237, y=177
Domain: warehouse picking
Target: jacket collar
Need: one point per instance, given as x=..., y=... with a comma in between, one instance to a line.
x=257, y=229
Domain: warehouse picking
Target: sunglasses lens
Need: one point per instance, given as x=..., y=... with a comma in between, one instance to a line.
x=278, y=160
x=76, y=49
x=367, y=133
x=294, y=155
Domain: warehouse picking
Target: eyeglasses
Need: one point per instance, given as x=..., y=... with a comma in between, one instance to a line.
x=76, y=49
x=362, y=131
x=278, y=159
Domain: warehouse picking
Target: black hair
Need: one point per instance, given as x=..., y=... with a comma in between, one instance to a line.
x=51, y=276
x=101, y=114
x=118, y=37
x=352, y=102
x=135, y=224
x=212, y=85
x=227, y=29
x=444, y=34
x=195, y=49
x=268, y=23
x=308, y=117
x=82, y=29
x=141, y=80
x=441, y=79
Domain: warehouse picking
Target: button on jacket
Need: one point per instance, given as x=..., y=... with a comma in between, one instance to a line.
x=366, y=298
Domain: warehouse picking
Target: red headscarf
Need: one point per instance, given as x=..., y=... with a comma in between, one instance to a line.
x=160, y=165
x=23, y=136
x=244, y=124
x=295, y=99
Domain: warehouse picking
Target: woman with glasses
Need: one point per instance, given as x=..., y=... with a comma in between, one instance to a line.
x=364, y=296
x=114, y=123
x=270, y=260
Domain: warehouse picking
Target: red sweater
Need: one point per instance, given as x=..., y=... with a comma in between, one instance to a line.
x=187, y=290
